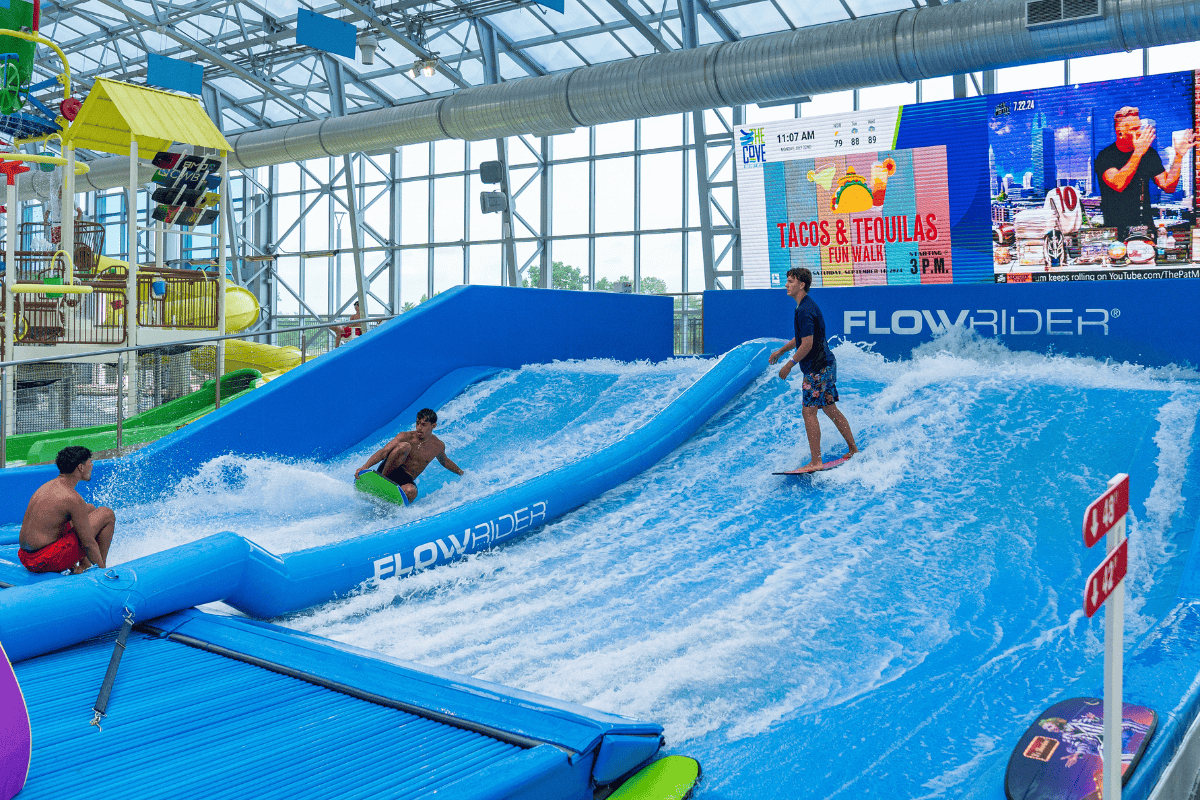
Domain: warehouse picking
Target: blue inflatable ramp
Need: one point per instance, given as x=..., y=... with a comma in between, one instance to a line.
x=216, y=707
x=36, y=618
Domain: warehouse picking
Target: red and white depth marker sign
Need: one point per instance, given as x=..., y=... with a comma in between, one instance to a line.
x=1105, y=578
x=1106, y=511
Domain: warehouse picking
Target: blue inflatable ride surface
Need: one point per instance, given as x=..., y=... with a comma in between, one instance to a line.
x=51, y=614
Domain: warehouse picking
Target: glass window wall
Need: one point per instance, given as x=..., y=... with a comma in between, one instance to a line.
x=591, y=208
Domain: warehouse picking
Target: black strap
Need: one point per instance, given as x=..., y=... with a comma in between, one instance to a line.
x=110, y=677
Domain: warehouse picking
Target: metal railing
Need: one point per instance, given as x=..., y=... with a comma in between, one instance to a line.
x=167, y=298
x=56, y=318
x=316, y=342
x=121, y=353
x=177, y=298
x=89, y=240
x=689, y=323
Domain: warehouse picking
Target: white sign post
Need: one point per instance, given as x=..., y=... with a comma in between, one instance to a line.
x=1106, y=517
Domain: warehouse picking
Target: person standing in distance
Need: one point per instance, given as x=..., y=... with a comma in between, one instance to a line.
x=816, y=361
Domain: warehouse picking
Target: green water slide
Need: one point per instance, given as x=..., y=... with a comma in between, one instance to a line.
x=40, y=448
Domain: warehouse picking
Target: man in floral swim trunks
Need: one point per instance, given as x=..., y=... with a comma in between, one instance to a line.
x=817, y=363
x=61, y=530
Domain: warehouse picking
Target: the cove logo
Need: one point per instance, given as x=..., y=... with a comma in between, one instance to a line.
x=194, y=175
x=754, y=147
x=1002, y=322
x=475, y=538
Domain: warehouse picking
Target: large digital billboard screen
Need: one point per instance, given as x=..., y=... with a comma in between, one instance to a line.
x=1085, y=182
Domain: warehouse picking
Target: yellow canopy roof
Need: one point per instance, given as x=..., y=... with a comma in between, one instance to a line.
x=113, y=111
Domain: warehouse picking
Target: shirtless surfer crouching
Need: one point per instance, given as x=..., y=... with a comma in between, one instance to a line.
x=404, y=458
x=61, y=530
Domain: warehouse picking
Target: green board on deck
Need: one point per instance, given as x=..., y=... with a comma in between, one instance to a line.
x=669, y=778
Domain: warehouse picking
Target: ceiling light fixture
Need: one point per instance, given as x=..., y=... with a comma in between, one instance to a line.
x=424, y=67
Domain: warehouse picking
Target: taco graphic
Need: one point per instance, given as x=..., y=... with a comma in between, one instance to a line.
x=851, y=194
x=854, y=193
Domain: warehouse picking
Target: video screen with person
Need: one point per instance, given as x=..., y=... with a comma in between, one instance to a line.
x=1093, y=181
x=1083, y=182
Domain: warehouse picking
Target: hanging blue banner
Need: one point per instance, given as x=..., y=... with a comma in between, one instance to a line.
x=171, y=73
x=325, y=33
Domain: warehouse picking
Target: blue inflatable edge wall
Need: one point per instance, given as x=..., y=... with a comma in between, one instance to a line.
x=1144, y=322
x=51, y=614
x=591, y=736
x=379, y=374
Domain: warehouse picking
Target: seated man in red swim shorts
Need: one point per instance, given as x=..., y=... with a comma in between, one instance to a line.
x=61, y=530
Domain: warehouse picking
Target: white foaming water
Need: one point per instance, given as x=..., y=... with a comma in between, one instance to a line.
x=919, y=597
x=502, y=431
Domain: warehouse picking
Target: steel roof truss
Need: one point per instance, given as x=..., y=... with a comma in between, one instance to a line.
x=214, y=56
x=378, y=23
x=640, y=25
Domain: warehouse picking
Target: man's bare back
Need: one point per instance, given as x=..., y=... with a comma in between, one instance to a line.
x=57, y=511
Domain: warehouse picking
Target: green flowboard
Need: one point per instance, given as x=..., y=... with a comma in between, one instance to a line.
x=669, y=778
x=374, y=484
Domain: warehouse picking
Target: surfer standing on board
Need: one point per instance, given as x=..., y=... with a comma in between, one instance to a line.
x=816, y=361
x=61, y=530
x=404, y=458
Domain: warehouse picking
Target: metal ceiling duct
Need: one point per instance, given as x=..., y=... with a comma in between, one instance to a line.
x=899, y=47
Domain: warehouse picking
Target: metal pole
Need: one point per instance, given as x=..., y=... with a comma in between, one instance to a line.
x=491, y=75
x=131, y=279
x=66, y=213
x=1114, y=657
x=506, y=219
x=159, y=244
x=66, y=207
x=8, y=401
x=547, y=280
x=120, y=401
x=690, y=23
x=221, y=266
x=3, y=420
x=739, y=118
x=355, y=244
